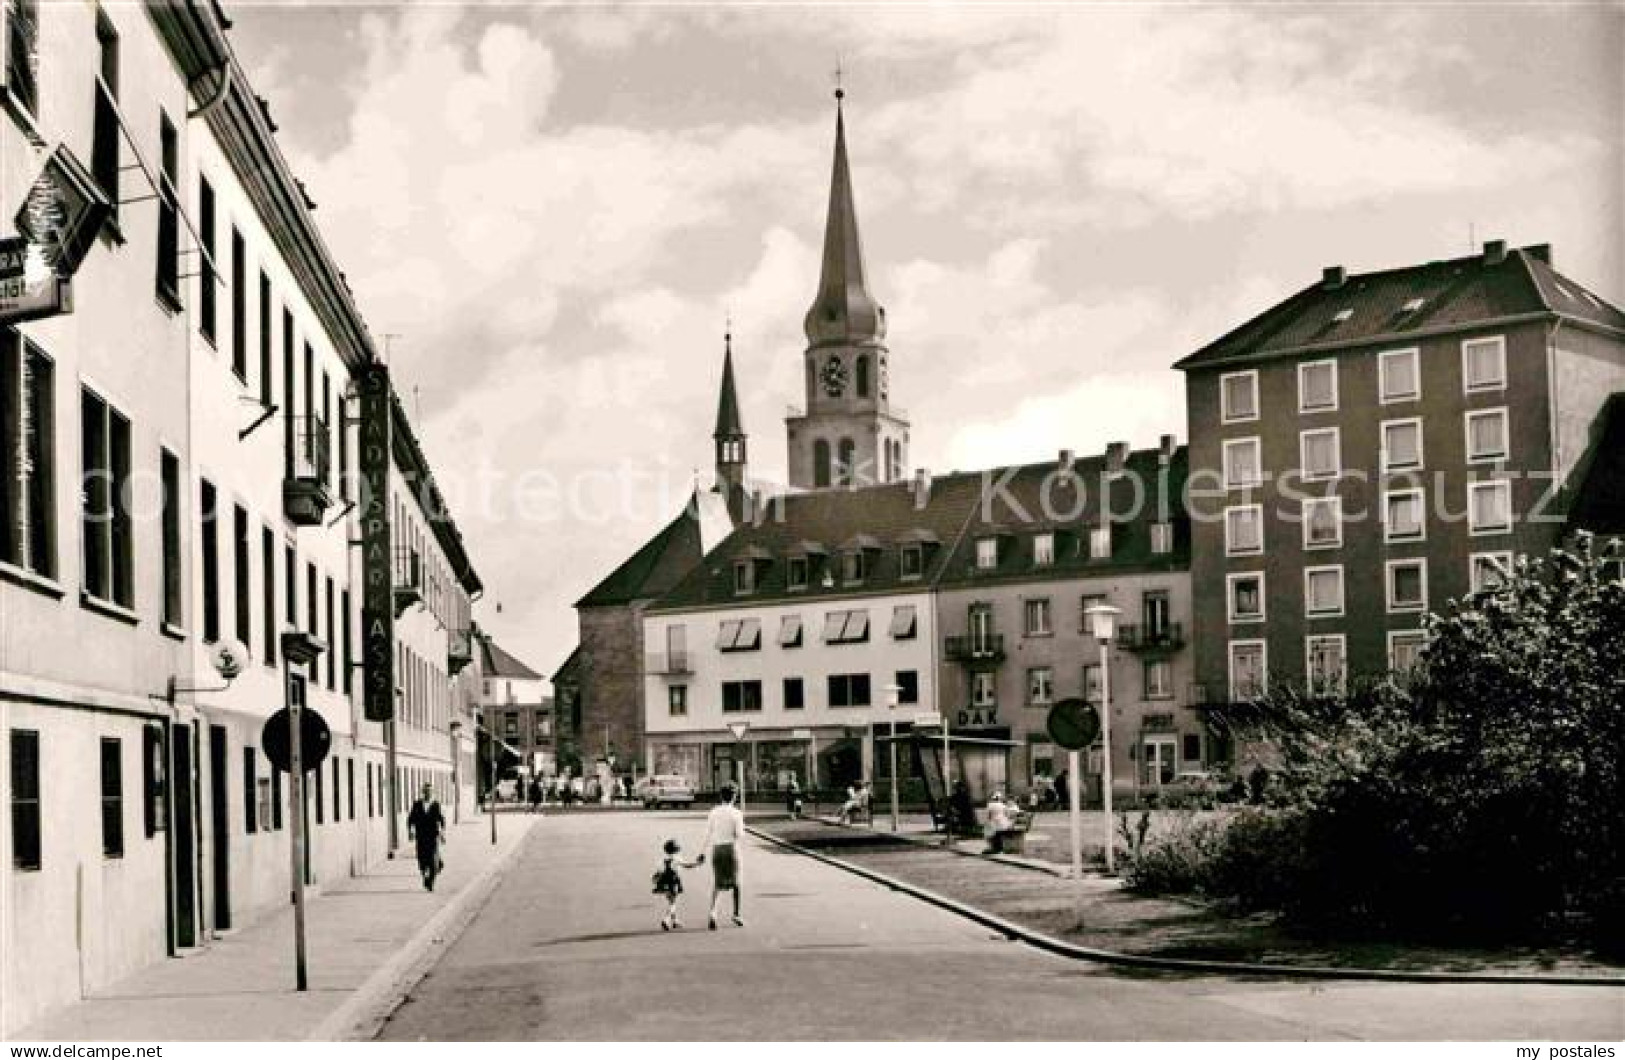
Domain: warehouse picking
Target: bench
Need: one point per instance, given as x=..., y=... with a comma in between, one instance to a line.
x=944, y=820
x=1012, y=840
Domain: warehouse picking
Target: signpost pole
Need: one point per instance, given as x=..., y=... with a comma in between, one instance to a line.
x=1074, y=811
x=296, y=817
x=892, y=693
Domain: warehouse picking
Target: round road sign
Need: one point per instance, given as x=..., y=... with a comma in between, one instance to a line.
x=315, y=738
x=1073, y=724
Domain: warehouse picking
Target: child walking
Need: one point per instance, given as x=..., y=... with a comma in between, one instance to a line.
x=669, y=882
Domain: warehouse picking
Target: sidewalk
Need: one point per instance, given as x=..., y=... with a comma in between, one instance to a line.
x=364, y=935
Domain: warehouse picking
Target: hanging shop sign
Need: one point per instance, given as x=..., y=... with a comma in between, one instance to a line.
x=377, y=604
x=64, y=212
x=29, y=288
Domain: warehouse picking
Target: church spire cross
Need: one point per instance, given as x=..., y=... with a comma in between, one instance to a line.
x=843, y=311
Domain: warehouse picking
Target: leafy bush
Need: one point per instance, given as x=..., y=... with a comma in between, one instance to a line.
x=1176, y=861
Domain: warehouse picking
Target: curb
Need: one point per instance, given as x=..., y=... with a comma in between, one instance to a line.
x=1051, y=944
x=360, y=1016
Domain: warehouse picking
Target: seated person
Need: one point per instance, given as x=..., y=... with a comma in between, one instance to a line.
x=961, y=811
x=1001, y=818
x=853, y=804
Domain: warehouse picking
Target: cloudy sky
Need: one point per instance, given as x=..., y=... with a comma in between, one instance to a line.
x=553, y=211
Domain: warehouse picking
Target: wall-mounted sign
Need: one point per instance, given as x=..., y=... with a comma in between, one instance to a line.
x=377, y=603
x=29, y=287
x=64, y=211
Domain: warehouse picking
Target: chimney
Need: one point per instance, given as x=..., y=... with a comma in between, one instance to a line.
x=1165, y=449
x=1333, y=276
x=1064, y=462
x=1116, y=457
x=1540, y=251
x=1495, y=251
x=922, y=487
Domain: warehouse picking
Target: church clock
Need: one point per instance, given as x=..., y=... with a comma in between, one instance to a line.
x=834, y=376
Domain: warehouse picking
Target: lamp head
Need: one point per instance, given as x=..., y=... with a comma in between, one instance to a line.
x=1102, y=621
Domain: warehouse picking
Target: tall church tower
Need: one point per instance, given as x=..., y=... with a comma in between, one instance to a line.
x=730, y=433
x=848, y=434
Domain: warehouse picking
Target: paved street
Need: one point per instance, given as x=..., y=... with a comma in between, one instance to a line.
x=569, y=948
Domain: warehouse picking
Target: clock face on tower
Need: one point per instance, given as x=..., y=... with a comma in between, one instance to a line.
x=834, y=377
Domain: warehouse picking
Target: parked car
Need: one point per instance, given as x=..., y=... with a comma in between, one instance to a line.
x=665, y=789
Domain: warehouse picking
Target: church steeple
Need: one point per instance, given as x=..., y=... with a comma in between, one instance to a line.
x=843, y=312
x=730, y=432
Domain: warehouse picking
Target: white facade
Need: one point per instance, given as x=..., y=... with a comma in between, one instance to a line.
x=687, y=719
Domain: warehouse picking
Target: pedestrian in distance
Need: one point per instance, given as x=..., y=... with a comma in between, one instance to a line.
x=426, y=827
x=668, y=883
x=535, y=794
x=792, y=799
x=853, y=803
x=724, y=829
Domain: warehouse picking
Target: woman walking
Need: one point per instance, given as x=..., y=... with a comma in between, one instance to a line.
x=724, y=829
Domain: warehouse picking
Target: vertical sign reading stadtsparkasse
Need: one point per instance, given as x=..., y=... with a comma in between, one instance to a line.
x=377, y=588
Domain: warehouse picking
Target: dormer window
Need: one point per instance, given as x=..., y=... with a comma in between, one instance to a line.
x=1162, y=538
x=795, y=572
x=744, y=577
x=1100, y=543
x=912, y=562
x=1044, y=550
x=854, y=566
x=987, y=553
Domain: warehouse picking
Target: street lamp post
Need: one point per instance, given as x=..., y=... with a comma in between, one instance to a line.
x=892, y=694
x=491, y=790
x=1102, y=622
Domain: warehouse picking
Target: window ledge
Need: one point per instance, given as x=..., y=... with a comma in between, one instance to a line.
x=169, y=629
x=21, y=115
x=108, y=608
x=169, y=301
x=29, y=580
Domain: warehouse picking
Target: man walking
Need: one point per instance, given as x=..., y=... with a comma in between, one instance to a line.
x=426, y=827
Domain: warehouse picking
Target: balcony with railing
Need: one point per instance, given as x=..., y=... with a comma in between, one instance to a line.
x=986, y=649
x=459, y=650
x=1159, y=637
x=408, y=583
x=671, y=664
x=306, y=491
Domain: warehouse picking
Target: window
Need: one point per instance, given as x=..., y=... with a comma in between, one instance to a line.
x=25, y=799
x=28, y=449
x=1040, y=686
x=744, y=577
x=1401, y=444
x=1407, y=585
x=206, y=278
x=22, y=46
x=290, y=588
x=349, y=787
x=345, y=621
x=112, y=798
x=267, y=375
x=1040, y=757
x=846, y=463
x=739, y=634
x=1405, y=649
x=1100, y=542
x=987, y=553
x=1157, y=759
x=1484, y=364
x=854, y=565
x=1323, y=592
x=741, y=696
x=1162, y=538
x=821, y=476
x=1191, y=747
x=981, y=629
x=983, y=690
x=242, y=575
x=170, y=473
x=1324, y=662
x=312, y=602
x=329, y=602
x=207, y=512
x=1043, y=550
x=903, y=622
x=1036, y=614
x=251, y=822
x=1399, y=378
x=1248, y=667
x=268, y=628
x=1244, y=530
x=1245, y=593
x=912, y=562
x=1238, y=397
x=104, y=145
x=239, y=307
x=1092, y=688
x=908, y=686
x=846, y=627
x=1321, y=453
x=167, y=273
x=1486, y=435
x=795, y=695
x=1157, y=614
x=109, y=547
x=1487, y=570
x=1403, y=515
x=1317, y=386
x=849, y=690
x=1489, y=507
x=795, y=572
x=790, y=632
x=1159, y=679
x=1243, y=463
x=1322, y=522
x=862, y=377
x=152, y=780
